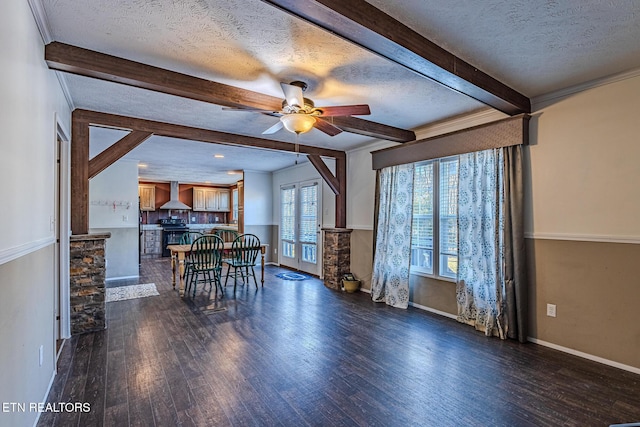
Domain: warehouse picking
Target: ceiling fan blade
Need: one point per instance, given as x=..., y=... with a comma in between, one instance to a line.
x=293, y=94
x=345, y=110
x=250, y=109
x=273, y=129
x=326, y=127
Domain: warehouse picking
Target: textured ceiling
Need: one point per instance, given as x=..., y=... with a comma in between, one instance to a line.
x=534, y=46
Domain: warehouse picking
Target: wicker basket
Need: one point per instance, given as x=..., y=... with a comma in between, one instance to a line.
x=351, y=285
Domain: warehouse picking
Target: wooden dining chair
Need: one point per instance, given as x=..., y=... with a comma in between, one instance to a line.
x=244, y=252
x=205, y=259
x=226, y=235
x=186, y=239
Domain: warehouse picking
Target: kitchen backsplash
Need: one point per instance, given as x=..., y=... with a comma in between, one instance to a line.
x=153, y=217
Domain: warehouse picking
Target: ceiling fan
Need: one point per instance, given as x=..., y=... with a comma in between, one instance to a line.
x=300, y=115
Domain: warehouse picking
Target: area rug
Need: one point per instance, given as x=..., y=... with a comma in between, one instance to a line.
x=122, y=293
x=291, y=276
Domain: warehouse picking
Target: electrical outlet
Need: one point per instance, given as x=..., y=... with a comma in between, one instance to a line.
x=125, y=218
x=551, y=310
x=275, y=251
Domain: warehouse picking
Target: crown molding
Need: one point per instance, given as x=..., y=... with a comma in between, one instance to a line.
x=538, y=101
x=40, y=16
x=460, y=122
x=42, y=22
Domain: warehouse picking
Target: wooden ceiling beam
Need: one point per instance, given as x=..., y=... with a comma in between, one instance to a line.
x=109, y=156
x=196, y=134
x=88, y=63
x=366, y=26
x=325, y=173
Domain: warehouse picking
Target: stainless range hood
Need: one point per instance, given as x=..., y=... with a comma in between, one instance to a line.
x=174, y=202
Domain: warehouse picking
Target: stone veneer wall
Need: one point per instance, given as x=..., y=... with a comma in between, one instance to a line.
x=337, y=256
x=87, y=282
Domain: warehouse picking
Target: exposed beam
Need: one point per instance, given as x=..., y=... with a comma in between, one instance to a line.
x=89, y=63
x=109, y=156
x=196, y=134
x=341, y=197
x=142, y=129
x=79, y=176
x=364, y=25
x=372, y=129
x=325, y=173
x=85, y=62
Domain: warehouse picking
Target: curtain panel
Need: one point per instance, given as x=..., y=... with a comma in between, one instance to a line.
x=491, y=286
x=480, y=283
x=392, y=257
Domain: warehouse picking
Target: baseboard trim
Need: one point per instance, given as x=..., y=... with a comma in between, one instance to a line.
x=588, y=356
x=46, y=394
x=433, y=310
x=110, y=279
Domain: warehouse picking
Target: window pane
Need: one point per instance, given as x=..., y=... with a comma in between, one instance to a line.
x=309, y=253
x=288, y=250
x=448, y=209
x=422, y=227
x=288, y=213
x=309, y=208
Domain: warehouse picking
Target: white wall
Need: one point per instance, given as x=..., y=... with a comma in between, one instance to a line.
x=584, y=153
x=300, y=173
x=117, y=184
x=30, y=99
x=258, y=199
x=361, y=186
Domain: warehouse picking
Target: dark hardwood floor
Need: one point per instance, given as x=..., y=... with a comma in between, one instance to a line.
x=297, y=353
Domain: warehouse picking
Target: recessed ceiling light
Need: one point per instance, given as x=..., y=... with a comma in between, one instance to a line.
x=142, y=165
x=218, y=156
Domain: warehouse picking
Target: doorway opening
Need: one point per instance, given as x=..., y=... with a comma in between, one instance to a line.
x=300, y=225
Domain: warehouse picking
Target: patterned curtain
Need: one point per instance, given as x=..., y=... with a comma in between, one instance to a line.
x=481, y=285
x=390, y=281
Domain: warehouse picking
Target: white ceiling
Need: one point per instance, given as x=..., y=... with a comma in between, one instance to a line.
x=534, y=46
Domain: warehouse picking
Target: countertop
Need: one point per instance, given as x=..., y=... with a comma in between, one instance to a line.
x=195, y=226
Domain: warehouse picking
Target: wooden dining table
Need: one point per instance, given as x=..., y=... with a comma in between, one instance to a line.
x=178, y=253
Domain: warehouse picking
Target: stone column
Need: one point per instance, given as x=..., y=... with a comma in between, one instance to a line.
x=87, y=282
x=337, y=256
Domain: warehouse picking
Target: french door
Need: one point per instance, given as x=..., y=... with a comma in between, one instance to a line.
x=300, y=226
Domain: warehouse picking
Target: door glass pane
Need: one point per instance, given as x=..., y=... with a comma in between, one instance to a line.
x=288, y=221
x=309, y=221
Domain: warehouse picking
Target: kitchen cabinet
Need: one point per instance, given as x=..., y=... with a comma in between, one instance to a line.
x=224, y=203
x=151, y=243
x=209, y=199
x=147, y=194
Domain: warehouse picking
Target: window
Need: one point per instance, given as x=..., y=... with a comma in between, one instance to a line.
x=435, y=218
x=234, y=204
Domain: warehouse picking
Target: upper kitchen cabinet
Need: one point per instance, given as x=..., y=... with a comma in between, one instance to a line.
x=211, y=199
x=147, y=194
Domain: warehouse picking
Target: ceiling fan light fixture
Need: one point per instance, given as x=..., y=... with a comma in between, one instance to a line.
x=298, y=122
